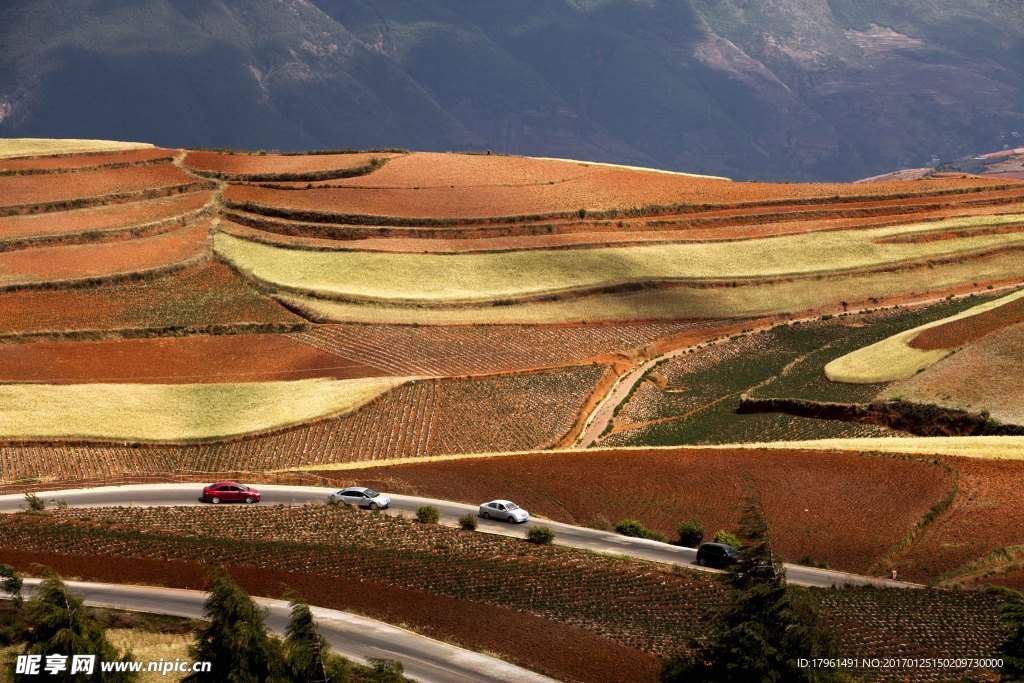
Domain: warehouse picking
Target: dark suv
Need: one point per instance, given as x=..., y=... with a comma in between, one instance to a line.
x=717, y=555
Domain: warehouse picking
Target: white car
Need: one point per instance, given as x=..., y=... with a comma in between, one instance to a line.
x=362, y=497
x=504, y=510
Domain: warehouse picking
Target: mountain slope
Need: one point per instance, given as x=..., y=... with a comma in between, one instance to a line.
x=800, y=89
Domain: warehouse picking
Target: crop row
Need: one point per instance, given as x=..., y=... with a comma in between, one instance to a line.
x=427, y=417
x=403, y=350
x=635, y=604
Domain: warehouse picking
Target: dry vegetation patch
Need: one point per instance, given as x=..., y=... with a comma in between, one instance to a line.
x=32, y=147
x=175, y=412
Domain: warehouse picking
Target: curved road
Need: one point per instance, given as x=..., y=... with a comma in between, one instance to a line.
x=565, y=534
x=355, y=637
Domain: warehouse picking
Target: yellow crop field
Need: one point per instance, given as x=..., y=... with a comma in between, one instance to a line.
x=175, y=412
x=681, y=301
x=31, y=147
x=996, y=447
x=469, y=278
x=894, y=359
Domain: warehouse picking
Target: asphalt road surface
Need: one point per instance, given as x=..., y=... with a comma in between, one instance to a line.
x=565, y=534
x=356, y=637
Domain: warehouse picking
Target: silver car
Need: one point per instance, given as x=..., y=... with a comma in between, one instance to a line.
x=362, y=497
x=504, y=510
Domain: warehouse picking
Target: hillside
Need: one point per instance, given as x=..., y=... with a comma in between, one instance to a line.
x=787, y=89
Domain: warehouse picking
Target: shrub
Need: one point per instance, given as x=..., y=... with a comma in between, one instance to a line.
x=428, y=514
x=723, y=536
x=634, y=529
x=691, y=533
x=600, y=522
x=467, y=522
x=34, y=503
x=541, y=535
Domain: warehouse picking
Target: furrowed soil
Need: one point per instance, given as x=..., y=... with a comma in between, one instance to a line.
x=957, y=333
x=198, y=297
x=421, y=418
x=52, y=164
x=984, y=376
x=66, y=187
x=174, y=360
x=986, y=515
x=846, y=509
x=40, y=265
x=100, y=219
x=260, y=164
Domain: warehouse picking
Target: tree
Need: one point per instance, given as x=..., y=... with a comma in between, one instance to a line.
x=1011, y=610
x=766, y=628
x=60, y=625
x=235, y=639
x=310, y=659
x=10, y=583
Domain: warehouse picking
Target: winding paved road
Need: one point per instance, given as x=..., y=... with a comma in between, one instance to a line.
x=356, y=637
x=565, y=534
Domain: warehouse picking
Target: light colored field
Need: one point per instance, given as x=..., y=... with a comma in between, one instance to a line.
x=475, y=278
x=172, y=413
x=30, y=147
x=626, y=167
x=996, y=447
x=678, y=303
x=894, y=359
x=147, y=646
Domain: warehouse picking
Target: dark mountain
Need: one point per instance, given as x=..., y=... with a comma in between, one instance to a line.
x=799, y=89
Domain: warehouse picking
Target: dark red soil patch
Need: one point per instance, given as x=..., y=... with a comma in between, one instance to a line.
x=844, y=508
x=195, y=298
x=95, y=261
x=63, y=163
x=198, y=359
x=560, y=650
x=987, y=514
x=957, y=333
x=101, y=218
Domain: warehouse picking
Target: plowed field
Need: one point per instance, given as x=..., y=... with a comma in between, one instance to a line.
x=958, y=333
x=174, y=360
x=101, y=219
x=74, y=187
x=235, y=165
x=846, y=509
x=133, y=157
x=453, y=186
x=198, y=297
x=37, y=265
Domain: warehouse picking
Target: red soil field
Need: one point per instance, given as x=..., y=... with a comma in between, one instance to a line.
x=567, y=652
x=103, y=218
x=198, y=297
x=457, y=350
x=85, y=261
x=957, y=333
x=69, y=187
x=844, y=508
x=422, y=418
x=987, y=514
x=268, y=164
x=64, y=163
x=479, y=194
x=199, y=359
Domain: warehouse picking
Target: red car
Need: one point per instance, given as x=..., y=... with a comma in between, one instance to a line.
x=230, y=492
